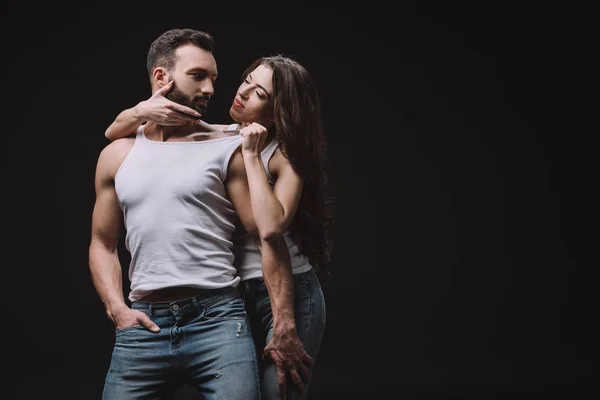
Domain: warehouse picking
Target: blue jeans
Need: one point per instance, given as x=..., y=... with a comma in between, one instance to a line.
x=204, y=341
x=310, y=314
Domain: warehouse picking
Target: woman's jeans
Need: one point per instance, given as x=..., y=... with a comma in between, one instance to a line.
x=204, y=341
x=309, y=309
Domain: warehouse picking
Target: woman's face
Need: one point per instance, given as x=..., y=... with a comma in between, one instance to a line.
x=254, y=98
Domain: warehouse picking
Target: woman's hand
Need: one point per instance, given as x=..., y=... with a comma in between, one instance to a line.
x=162, y=111
x=254, y=136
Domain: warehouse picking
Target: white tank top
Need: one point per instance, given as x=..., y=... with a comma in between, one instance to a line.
x=178, y=218
x=247, y=255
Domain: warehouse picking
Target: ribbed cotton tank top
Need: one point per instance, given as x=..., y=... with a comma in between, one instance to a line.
x=178, y=218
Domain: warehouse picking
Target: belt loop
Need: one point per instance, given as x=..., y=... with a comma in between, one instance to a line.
x=195, y=302
x=151, y=310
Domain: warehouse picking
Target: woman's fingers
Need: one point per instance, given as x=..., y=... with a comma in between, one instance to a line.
x=187, y=111
x=164, y=90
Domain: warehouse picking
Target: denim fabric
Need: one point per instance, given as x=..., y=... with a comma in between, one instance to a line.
x=310, y=314
x=204, y=341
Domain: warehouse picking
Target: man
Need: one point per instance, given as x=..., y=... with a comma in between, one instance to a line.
x=178, y=189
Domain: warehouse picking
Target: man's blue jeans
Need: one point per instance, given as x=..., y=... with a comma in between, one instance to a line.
x=310, y=316
x=204, y=341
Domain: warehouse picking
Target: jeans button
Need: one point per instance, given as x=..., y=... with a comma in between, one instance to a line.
x=175, y=307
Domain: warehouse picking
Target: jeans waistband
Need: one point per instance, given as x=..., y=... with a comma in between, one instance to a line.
x=191, y=304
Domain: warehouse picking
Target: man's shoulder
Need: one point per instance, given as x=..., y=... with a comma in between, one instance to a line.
x=236, y=166
x=115, y=152
x=118, y=146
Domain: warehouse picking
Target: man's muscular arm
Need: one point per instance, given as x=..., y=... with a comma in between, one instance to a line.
x=104, y=264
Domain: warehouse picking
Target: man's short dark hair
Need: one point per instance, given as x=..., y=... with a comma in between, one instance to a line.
x=162, y=50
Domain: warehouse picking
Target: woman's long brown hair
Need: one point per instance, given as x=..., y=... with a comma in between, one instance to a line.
x=299, y=131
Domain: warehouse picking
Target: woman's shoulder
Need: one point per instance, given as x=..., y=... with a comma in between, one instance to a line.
x=278, y=162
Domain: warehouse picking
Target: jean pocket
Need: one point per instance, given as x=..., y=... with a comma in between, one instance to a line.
x=129, y=328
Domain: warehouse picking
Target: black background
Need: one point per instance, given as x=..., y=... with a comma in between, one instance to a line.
x=462, y=181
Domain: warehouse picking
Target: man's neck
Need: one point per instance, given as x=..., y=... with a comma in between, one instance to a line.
x=191, y=132
x=179, y=133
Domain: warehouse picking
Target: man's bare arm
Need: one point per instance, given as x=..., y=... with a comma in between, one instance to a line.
x=104, y=264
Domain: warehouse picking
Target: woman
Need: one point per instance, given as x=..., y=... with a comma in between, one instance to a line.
x=277, y=108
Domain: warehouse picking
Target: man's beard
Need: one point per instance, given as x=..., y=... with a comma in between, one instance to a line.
x=179, y=97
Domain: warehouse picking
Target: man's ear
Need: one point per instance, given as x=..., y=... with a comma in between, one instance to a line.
x=160, y=76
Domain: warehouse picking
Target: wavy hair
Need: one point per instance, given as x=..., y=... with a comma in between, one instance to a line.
x=299, y=131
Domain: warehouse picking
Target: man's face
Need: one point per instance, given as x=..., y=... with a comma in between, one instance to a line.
x=194, y=75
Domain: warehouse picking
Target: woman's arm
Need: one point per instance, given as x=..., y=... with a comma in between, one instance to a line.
x=157, y=109
x=273, y=209
x=285, y=349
